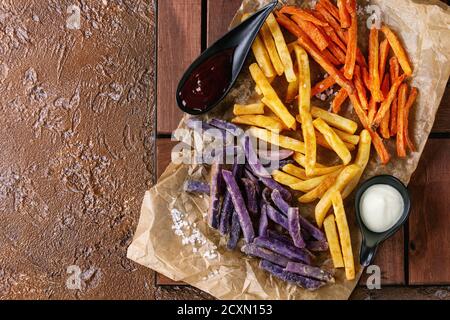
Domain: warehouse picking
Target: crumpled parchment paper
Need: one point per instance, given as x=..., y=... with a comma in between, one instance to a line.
x=423, y=27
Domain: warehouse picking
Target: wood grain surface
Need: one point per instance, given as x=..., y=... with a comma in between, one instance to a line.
x=179, y=43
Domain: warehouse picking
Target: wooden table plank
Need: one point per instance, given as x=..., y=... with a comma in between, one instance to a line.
x=220, y=14
x=179, y=43
x=442, y=123
x=429, y=244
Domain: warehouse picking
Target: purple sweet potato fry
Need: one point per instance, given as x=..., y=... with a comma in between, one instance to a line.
x=214, y=202
x=289, y=251
x=265, y=196
x=308, y=271
x=239, y=206
x=235, y=232
x=263, y=222
x=286, y=239
x=279, y=202
x=251, y=196
x=227, y=206
x=317, y=246
x=227, y=126
x=294, y=228
x=255, y=251
x=252, y=158
x=277, y=217
x=249, y=175
x=315, y=232
x=276, y=155
x=194, y=186
x=279, y=272
x=272, y=184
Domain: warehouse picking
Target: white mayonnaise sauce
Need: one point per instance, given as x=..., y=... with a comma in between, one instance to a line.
x=381, y=207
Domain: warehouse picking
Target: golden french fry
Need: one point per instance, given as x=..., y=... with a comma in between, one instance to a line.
x=258, y=90
x=321, y=141
x=295, y=171
x=273, y=106
x=284, y=178
x=242, y=110
x=344, y=235
x=346, y=137
x=304, y=102
x=269, y=123
x=333, y=241
x=342, y=180
x=292, y=91
x=272, y=49
x=335, y=120
x=270, y=95
x=282, y=48
x=262, y=57
x=308, y=185
x=319, y=170
x=319, y=191
x=276, y=139
x=362, y=158
x=333, y=140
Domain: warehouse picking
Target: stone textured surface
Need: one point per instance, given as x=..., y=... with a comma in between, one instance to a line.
x=77, y=121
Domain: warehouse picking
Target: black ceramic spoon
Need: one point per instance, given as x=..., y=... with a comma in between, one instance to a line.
x=209, y=79
x=371, y=239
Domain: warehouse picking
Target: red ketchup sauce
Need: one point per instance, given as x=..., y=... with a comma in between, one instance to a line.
x=208, y=82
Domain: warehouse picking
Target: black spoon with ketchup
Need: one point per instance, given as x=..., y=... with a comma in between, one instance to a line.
x=209, y=79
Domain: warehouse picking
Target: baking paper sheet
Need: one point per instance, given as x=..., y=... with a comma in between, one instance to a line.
x=423, y=27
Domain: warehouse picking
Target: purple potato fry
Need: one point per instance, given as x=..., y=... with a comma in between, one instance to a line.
x=297, y=279
x=235, y=232
x=251, y=196
x=255, y=251
x=227, y=126
x=317, y=246
x=308, y=271
x=194, y=186
x=315, y=232
x=227, y=206
x=214, y=202
x=277, y=217
x=294, y=227
x=279, y=202
x=289, y=251
x=252, y=158
x=285, y=239
x=266, y=196
x=272, y=184
x=263, y=222
x=276, y=155
x=239, y=206
x=249, y=175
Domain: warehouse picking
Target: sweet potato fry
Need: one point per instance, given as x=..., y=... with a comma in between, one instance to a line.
x=373, y=108
x=279, y=140
x=362, y=116
x=271, y=49
x=337, y=52
x=393, y=118
x=330, y=8
x=333, y=241
x=329, y=31
x=343, y=179
x=313, y=32
x=344, y=235
x=330, y=57
x=333, y=140
x=374, y=67
x=304, y=15
x=352, y=44
x=384, y=52
x=322, y=12
x=394, y=68
x=384, y=126
x=398, y=49
x=338, y=100
x=269, y=93
x=241, y=110
x=344, y=16
x=366, y=77
x=379, y=147
x=266, y=122
x=360, y=89
x=335, y=120
x=323, y=85
x=409, y=103
x=282, y=49
x=402, y=96
x=385, y=105
x=318, y=191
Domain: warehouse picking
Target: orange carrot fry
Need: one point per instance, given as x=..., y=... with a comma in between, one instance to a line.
x=393, y=124
x=338, y=100
x=384, y=52
x=313, y=32
x=401, y=147
x=344, y=16
x=330, y=7
x=303, y=15
x=359, y=85
x=374, y=67
x=307, y=44
x=384, y=126
x=380, y=147
x=411, y=99
x=373, y=108
x=385, y=105
x=350, y=58
x=398, y=49
x=394, y=68
x=366, y=77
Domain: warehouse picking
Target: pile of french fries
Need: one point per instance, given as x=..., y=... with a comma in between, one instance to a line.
x=328, y=34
